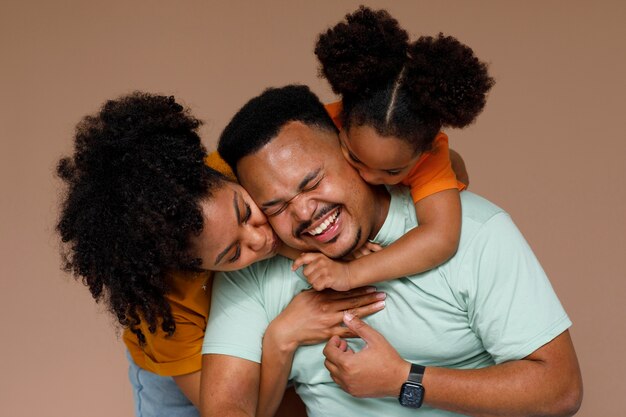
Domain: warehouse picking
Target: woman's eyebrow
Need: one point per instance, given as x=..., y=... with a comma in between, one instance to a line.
x=236, y=205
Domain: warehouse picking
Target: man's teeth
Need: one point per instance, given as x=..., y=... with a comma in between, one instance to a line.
x=322, y=227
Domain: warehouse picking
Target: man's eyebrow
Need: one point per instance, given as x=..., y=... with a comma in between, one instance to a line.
x=223, y=253
x=301, y=186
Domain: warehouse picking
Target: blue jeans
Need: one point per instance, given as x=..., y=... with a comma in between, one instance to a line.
x=157, y=396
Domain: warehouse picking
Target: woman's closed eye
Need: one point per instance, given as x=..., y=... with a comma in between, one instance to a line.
x=247, y=213
x=236, y=255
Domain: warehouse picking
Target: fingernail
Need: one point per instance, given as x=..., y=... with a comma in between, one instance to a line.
x=347, y=316
x=370, y=289
x=379, y=304
x=381, y=296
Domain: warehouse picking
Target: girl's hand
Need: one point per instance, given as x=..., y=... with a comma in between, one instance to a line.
x=366, y=249
x=323, y=272
x=314, y=316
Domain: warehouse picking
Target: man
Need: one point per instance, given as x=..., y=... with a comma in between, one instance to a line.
x=486, y=325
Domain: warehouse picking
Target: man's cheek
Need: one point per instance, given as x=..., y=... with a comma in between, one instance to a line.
x=283, y=229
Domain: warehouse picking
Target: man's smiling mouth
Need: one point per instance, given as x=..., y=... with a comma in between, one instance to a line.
x=326, y=228
x=330, y=220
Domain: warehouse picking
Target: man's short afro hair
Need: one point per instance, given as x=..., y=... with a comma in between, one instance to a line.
x=261, y=118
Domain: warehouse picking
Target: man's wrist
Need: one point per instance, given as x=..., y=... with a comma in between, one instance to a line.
x=412, y=391
x=403, y=370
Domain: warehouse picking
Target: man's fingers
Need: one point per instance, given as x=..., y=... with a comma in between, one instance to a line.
x=344, y=332
x=335, y=348
x=343, y=346
x=358, y=326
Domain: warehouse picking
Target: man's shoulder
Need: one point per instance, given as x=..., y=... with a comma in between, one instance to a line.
x=478, y=209
x=258, y=271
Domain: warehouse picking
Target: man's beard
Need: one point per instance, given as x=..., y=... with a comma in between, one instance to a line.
x=353, y=247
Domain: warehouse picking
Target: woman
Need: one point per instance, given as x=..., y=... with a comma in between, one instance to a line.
x=145, y=222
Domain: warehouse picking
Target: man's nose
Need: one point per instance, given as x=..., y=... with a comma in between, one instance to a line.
x=302, y=208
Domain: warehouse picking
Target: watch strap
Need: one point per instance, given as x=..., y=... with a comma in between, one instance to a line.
x=416, y=373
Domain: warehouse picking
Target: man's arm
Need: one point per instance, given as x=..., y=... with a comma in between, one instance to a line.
x=229, y=386
x=545, y=383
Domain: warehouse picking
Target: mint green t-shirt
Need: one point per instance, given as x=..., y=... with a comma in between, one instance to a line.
x=489, y=304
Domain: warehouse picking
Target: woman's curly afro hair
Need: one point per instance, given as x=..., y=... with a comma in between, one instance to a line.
x=134, y=183
x=402, y=89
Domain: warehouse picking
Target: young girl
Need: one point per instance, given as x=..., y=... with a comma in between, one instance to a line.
x=396, y=97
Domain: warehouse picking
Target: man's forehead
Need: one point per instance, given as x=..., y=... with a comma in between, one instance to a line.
x=300, y=135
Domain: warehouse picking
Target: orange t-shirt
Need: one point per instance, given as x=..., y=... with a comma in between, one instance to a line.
x=189, y=299
x=432, y=171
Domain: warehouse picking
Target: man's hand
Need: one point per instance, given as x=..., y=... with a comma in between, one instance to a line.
x=323, y=272
x=375, y=371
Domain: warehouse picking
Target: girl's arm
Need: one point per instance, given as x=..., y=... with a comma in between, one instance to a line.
x=311, y=317
x=430, y=244
x=458, y=166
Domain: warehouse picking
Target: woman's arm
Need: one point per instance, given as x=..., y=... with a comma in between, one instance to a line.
x=189, y=384
x=311, y=317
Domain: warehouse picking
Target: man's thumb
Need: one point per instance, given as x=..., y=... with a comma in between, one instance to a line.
x=359, y=327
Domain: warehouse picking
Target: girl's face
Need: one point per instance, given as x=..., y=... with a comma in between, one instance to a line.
x=379, y=159
x=235, y=233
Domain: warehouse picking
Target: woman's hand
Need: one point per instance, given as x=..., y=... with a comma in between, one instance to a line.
x=315, y=316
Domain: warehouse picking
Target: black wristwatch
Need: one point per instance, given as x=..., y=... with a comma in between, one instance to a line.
x=412, y=391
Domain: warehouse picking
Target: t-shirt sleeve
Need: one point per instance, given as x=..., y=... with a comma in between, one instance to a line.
x=215, y=161
x=433, y=172
x=334, y=111
x=512, y=306
x=237, y=320
x=173, y=355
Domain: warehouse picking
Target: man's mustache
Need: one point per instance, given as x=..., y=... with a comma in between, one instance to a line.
x=321, y=213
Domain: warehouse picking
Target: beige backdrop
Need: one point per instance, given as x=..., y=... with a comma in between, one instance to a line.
x=549, y=148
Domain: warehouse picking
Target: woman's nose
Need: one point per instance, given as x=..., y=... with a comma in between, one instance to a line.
x=255, y=237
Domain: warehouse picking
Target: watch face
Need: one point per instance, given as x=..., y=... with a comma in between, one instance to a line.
x=411, y=395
